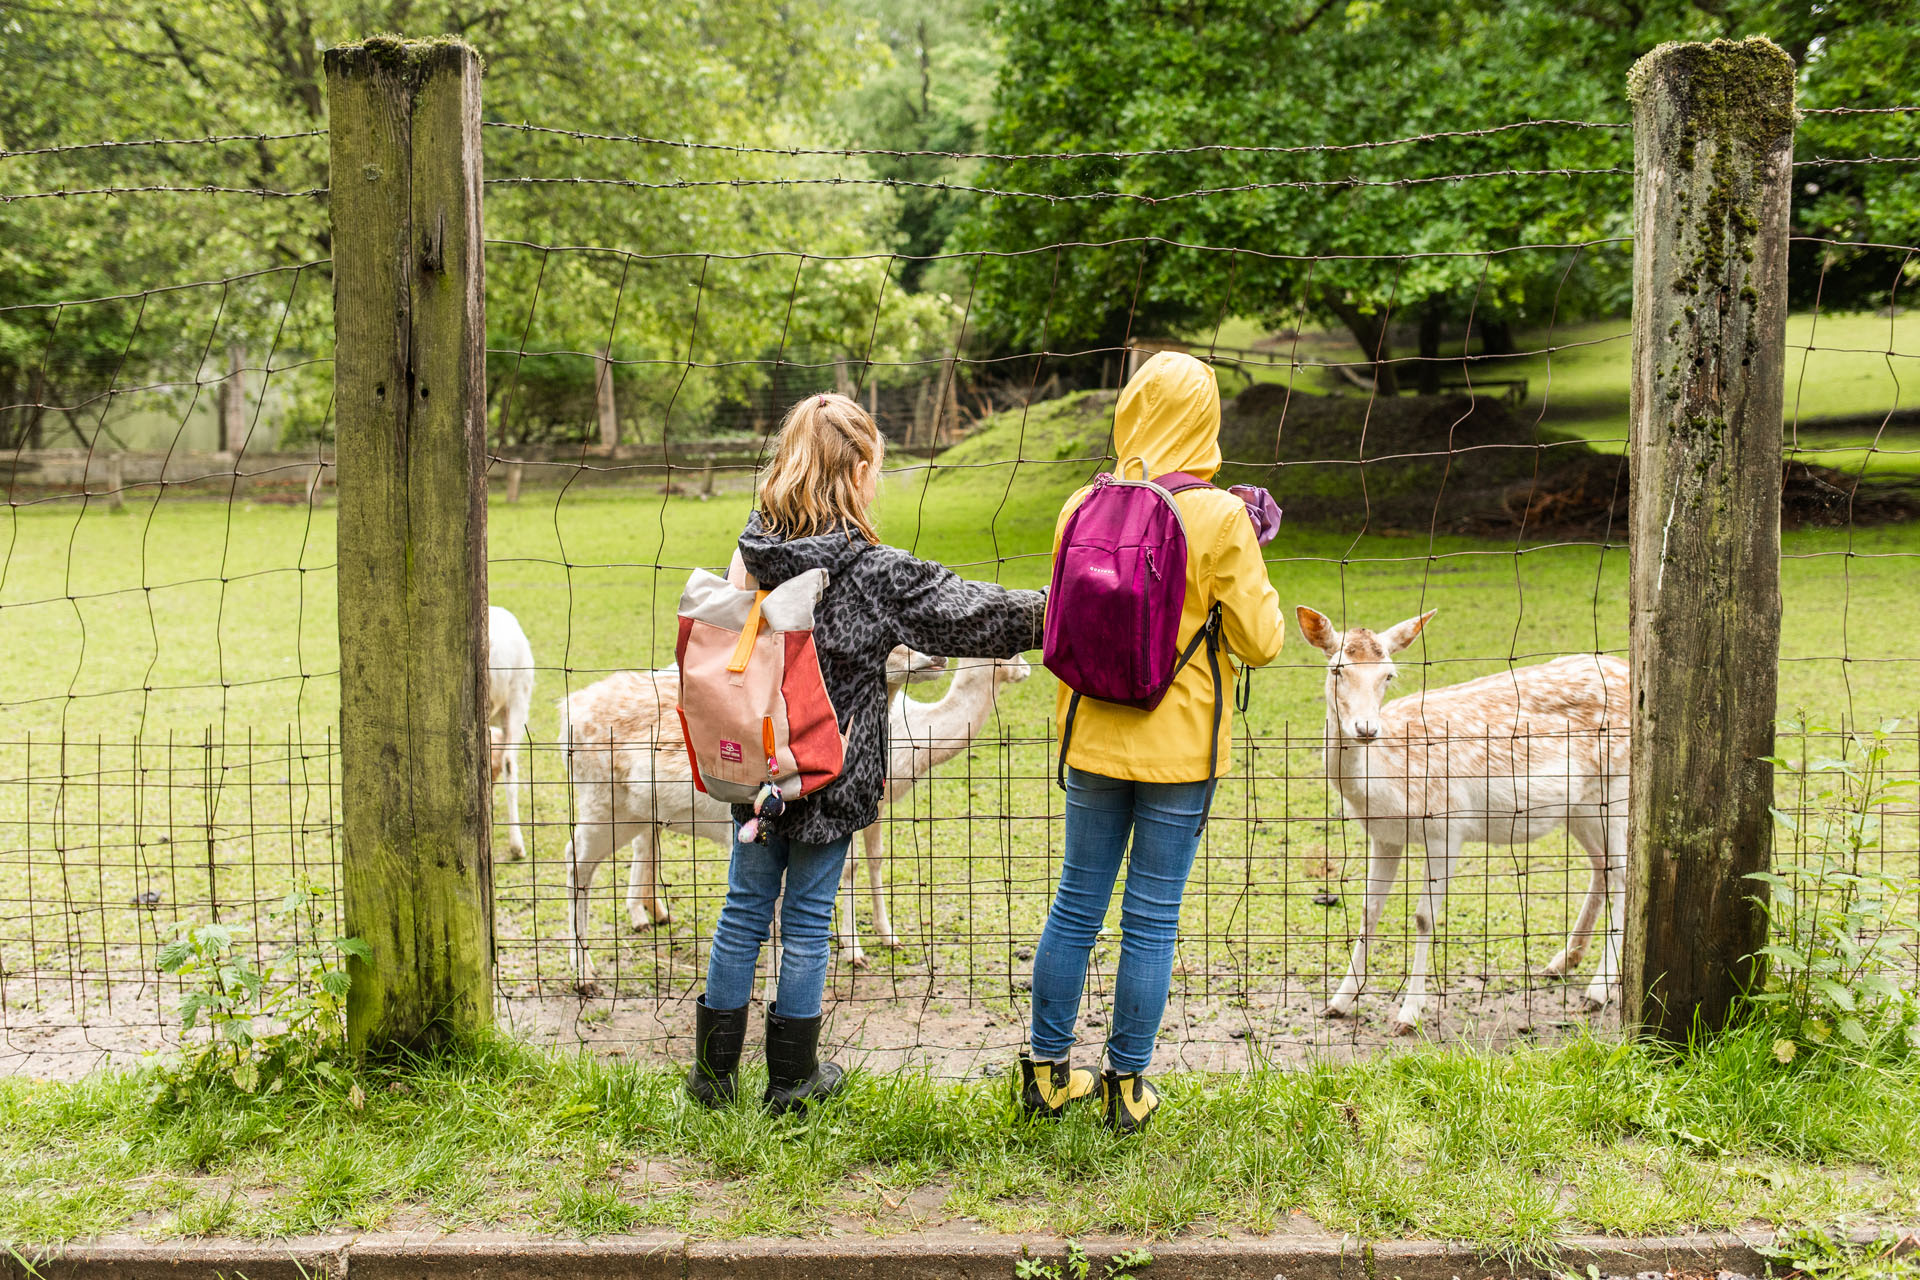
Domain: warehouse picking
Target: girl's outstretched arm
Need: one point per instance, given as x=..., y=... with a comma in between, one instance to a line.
x=936, y=611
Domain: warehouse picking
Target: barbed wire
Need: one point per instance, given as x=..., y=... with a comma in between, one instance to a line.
x=70, y=147
x=1303, y=184
x=1856, y=111
x=746, y=255
x=1824, y=161
x=1200, y=149
x=202, y=190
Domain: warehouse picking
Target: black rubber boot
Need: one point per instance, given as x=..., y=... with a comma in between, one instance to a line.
x=718, y=1035
x=795, y=1075
x=1044, y=1090
x=1128, y=1100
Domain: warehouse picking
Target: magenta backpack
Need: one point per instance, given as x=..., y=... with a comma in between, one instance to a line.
x=1119, y=585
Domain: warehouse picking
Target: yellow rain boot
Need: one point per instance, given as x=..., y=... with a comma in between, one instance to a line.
x=1128, y=1100
x=1048, y=1088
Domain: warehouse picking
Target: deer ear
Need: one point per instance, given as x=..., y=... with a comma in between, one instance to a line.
x=1401, y=635
x=1318, y=630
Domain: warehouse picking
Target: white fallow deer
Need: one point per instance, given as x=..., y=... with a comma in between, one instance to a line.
x=509, y=698
x=631, y=779
x=1502, y=760
x=921, y=736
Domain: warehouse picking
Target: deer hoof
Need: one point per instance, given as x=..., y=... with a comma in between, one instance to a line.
x=1334, y=1011
x=516, y=853
x=587, y=989
x=1399, y=1027
x=856, y=958
x=892, y=942
x=1591, y=1005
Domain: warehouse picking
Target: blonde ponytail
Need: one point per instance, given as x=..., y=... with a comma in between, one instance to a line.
x=809, y=487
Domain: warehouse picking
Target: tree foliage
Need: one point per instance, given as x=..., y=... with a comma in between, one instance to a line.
x=750, y=72
x=1091, y=75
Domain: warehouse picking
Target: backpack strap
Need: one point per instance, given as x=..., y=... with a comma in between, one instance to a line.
x=737, y=574
x=1209, y=635
x=1180, y=482
x=1066, y=735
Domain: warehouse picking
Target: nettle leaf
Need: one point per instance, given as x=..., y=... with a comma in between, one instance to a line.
x=1836, y=993
x=175, y=955
x=335, y=982
x=354, y=947
x=1851, y=1029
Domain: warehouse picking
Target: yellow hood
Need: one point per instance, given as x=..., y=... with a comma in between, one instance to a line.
x=1169, y=414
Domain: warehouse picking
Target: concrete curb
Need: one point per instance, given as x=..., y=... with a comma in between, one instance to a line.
x=935, y=1255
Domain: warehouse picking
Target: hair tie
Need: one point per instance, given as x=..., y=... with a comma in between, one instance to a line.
x=823, y=400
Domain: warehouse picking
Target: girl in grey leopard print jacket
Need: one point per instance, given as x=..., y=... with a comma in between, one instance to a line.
x=814, y=502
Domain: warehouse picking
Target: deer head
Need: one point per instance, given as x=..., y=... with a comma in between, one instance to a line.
x=1359, y=668
x=910, y=666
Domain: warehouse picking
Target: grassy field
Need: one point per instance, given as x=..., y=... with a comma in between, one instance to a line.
x=1504, y=1152
x=1843, y=370
x=209, y=633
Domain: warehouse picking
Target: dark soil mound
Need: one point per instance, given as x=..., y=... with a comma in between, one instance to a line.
x=1456, y=464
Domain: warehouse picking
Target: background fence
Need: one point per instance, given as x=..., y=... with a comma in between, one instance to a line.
x=172, y=674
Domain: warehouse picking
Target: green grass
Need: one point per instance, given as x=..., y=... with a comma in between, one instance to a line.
x=228, y=614
x=1505, y=1151
x=1842, y=366
x=1848, y=366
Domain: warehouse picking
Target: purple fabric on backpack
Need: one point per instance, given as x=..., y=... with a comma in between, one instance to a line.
x=1119, y=585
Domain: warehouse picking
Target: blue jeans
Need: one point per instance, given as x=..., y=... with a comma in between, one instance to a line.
x=1164, y=819
x=812, y=873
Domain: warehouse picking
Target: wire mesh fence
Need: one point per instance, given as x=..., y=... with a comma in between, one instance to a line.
x=161, y=607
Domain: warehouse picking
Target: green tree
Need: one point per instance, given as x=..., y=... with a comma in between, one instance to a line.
x=1094, y=75
x=575, y=268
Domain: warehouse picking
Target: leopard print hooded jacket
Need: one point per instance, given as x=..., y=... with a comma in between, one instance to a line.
x=878, y=597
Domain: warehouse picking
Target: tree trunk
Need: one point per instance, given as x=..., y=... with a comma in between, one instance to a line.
x=603, y=398
x=1496, y=338
x=1369, y=330
x=1430, y=369
x=233, y=402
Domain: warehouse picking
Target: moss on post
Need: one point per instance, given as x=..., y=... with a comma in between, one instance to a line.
x=1713, y=150
x=409, y=391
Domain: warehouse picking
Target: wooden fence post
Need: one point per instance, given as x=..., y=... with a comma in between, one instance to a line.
x=410, y=395
x=1713, y=150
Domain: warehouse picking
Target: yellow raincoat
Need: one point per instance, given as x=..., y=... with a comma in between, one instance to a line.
x=1169, y=414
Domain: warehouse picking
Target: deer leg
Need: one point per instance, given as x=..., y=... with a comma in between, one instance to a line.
x=1441, y=857
x=850, y=950
x=1606, y=980
x=1383, y=868
x=510, y=773
x=876, y=884
x=646, y=906
x=591, y=844
x=1581, y=937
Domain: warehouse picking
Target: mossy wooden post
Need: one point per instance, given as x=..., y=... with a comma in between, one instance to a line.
x=1713, y=149
x=409, y=387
